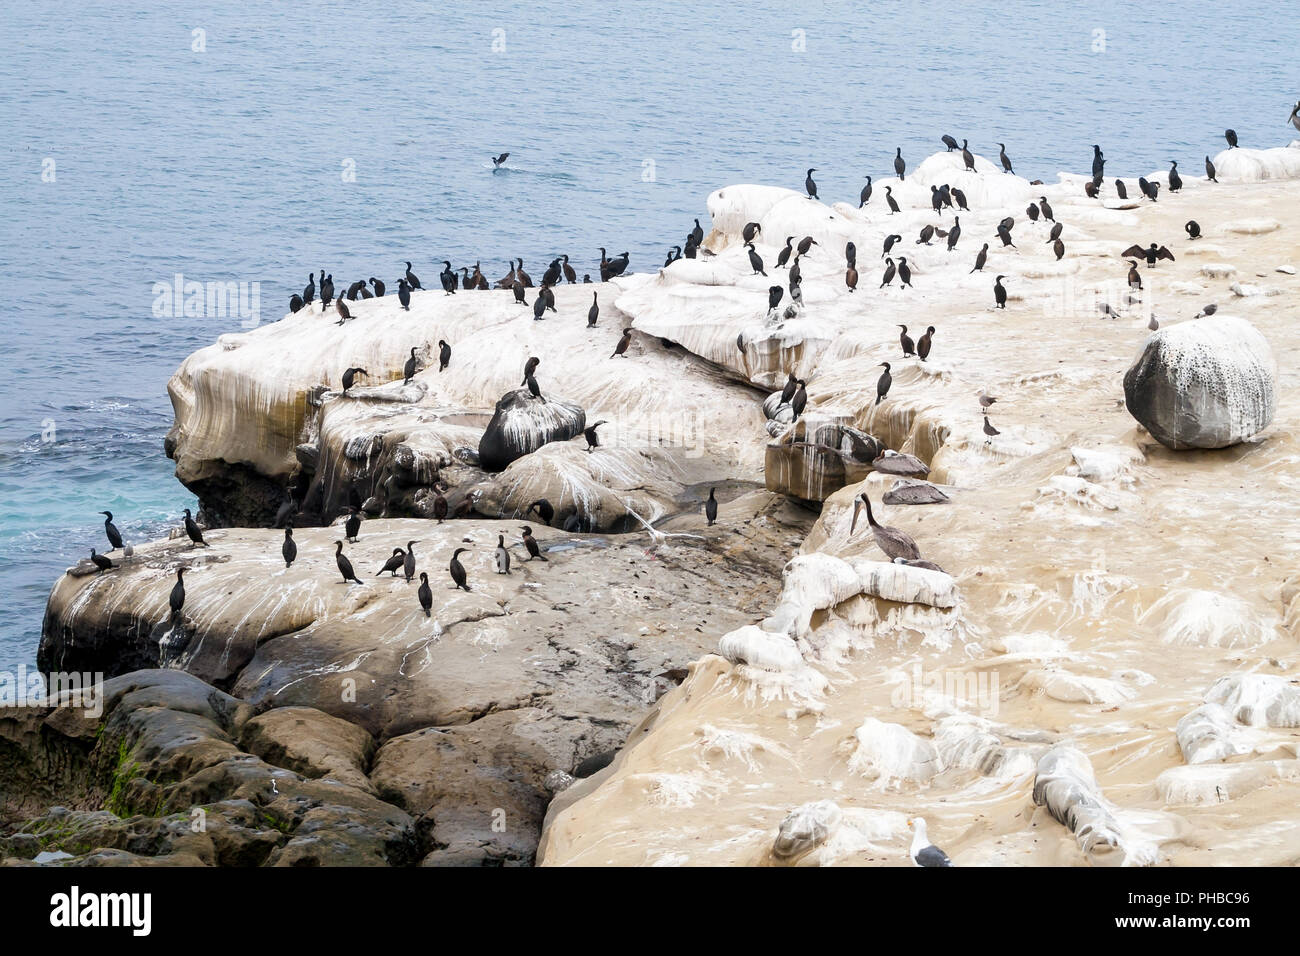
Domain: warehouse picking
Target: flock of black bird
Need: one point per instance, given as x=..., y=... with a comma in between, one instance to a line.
x=895, y=544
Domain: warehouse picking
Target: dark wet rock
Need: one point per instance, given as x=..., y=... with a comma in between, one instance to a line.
x=522, y=424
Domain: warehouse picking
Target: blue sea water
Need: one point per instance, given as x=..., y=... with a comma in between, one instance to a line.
x=227, y=164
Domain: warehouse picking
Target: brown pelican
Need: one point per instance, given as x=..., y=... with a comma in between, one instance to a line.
x=1295, y=115
x=893, y=542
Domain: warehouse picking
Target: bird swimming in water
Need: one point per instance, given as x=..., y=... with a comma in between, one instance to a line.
x=192, y=529
x=444, y=355
x=530, y=545
x=923, y=344
x=177, y=598
x=393, y=564
x=345, y=566
x=883, y=383
x=350, y=376
x=909, y=348
x=925, y=853
x=101, y=562
x=809, y=185
x=589, y=433
x=499, y=161
x=895, y=543
x=1231, y=136
x=899, y=165
x=755, y=260
x=408, y=561
x=1002, y=155
x=1175, y=181
x=425, y=594
x=890, y=200
x=1193, y=229
x=404, y=294
x=110, y=529
x=289, y=549
x=865, y=196
x=502, y=555
x=711, y=509
x=981, y=257
x=623, y=343
x=999, y=293
x=990, y=431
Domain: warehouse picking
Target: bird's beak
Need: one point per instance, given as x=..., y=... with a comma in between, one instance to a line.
x=857, y=506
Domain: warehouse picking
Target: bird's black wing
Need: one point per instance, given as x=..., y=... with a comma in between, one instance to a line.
x=1164, y=253
x=1134, y=252
x=932, y=856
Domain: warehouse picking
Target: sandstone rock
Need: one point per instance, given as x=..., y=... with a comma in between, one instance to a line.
x=523, y=424
x=1207, y=383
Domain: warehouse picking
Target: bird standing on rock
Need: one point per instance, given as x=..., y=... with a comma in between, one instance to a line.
x=192, y=529
x=289, y=549
x=711, y=508
x=623, y=343
x=444, y=355
x=530, y=545
x=410, y=368
x=809, y=185
x=425, y=594
x=458, y=570
x=883, y=383
x=177, y=598
x=345, y=566
x=502, y=555
x=923, y=344
x=110, y=529
x=893, y=542
x=905, y=340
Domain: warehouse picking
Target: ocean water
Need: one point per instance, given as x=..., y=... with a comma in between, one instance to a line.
x=335, y=135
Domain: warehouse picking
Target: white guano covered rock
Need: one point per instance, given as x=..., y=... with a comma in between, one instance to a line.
x=1208, y=383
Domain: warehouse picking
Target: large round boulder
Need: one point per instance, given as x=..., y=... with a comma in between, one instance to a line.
x=1207, y=383
x=522, y=424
